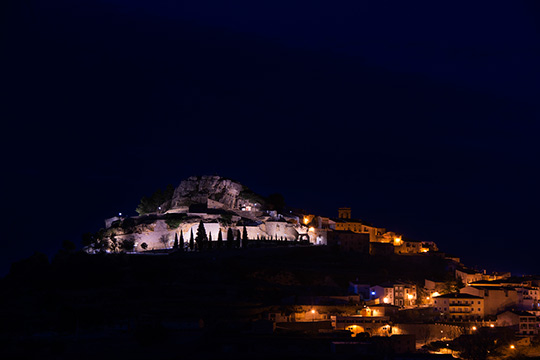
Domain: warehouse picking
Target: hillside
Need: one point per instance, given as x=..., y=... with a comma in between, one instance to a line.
x=261, y=276
x=130, y=301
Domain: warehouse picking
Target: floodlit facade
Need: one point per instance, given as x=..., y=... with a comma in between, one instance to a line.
x=496, y=299
x=468, y=276
x=345, y=223
x=399, y=294
x=459, y=306
x=374, y=325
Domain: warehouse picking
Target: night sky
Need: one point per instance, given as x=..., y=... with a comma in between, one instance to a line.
x=421, y=116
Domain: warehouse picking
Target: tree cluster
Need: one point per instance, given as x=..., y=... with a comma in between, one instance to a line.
x=202, y=241
x=152, y=203
x=105, y=240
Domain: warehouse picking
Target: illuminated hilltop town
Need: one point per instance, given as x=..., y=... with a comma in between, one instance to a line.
x=223, y=204
x=211, y=212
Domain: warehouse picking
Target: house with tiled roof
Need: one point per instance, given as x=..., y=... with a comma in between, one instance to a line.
x=396, y=293
x=459, y=306
x=468, y=276
x=528, y=296
x=345, y=222
x=524, y=323
x=496, y=298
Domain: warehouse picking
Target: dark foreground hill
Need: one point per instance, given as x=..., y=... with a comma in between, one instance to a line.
x=130, y=299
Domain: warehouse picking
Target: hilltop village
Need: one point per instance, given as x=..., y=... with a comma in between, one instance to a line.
x=224, y=206
x=213, y=269
x=211, y=212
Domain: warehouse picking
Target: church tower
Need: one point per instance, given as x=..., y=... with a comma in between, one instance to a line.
x=344, y=213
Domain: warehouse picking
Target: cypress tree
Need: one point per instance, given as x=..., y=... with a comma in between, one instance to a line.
x=209, y=244
x=175, y=246
x=181, y=240
x=230, y=238
x=191, y=241
x=219, y=240
x=244, y=238
x=238, y=239
x=201, y=237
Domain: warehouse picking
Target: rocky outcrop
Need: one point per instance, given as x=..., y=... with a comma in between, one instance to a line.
x=198, y=189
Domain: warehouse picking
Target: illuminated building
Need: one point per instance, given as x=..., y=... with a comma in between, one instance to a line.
x=496, y=299
x=395, y=293
x=524, y=323
x=459, y=307
x=374, y=325
x=345, y=222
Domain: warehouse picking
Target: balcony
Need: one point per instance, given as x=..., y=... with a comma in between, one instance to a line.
x=460, y=309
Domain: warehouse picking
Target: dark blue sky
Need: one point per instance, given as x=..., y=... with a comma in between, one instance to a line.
x=423, y=117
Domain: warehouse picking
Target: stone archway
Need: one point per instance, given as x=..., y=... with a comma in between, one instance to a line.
x=355, y=330
x=303, y=237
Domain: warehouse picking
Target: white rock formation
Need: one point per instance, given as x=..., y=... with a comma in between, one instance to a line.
x=198, y=189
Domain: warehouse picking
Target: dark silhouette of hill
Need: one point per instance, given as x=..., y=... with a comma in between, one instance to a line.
x=119, y=304
x=257, y=276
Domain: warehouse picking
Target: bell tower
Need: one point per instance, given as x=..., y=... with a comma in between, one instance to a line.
x=344, y=213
